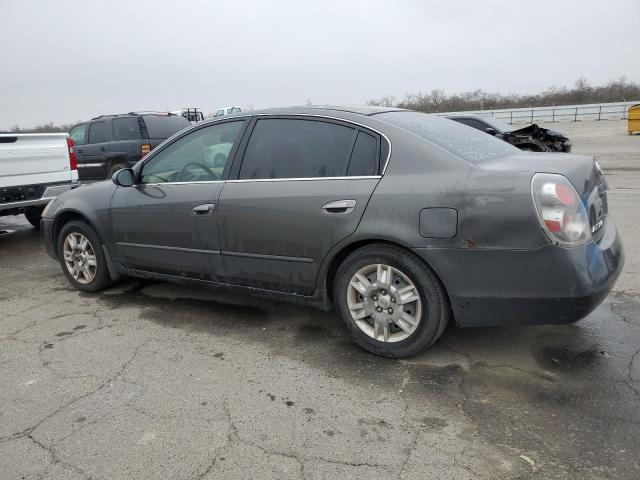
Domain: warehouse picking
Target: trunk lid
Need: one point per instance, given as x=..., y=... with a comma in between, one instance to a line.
x=34, y=158
x=581, y=170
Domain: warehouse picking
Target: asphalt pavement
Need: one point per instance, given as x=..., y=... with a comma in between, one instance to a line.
x=151, y=380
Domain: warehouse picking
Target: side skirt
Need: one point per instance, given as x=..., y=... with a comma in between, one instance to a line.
x=319, y=300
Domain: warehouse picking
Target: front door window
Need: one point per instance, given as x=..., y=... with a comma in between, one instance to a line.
x=197, y=157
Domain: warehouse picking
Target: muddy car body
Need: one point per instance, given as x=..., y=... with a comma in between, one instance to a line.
x=399, y=219
x=531, y=138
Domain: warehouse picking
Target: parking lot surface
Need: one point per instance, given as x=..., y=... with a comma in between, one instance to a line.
x=151, y=380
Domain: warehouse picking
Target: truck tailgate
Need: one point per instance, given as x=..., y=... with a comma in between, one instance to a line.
x=39, y=158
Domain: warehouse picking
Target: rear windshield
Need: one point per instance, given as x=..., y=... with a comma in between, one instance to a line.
x=161, y=126
x=467, y=143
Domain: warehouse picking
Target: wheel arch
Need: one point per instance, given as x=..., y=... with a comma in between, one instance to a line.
x=114, y=160
x=64, y=217
x=328, y=279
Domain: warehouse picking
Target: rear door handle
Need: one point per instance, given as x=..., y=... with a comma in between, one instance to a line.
x=80, y=151
x=203, y=210
x=339, y=207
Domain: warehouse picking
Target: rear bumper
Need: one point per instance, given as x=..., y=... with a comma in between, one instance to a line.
x=550, y=285
x=50, y=192
x=46, y=227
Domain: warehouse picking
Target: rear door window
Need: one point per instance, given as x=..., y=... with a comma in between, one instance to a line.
x=98, y=132
x=126, y=128
x=295, y=148
x=364, y=158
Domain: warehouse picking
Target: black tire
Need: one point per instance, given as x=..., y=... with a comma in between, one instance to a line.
x=435, y=312
x=101, y=278
x=115, y=167
x=34, y=214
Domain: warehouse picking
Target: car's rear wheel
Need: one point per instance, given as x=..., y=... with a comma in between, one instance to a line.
x=34, y=215
x=81, y=257
x=390, y=301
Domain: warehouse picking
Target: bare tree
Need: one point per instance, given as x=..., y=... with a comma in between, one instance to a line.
x=386, y=101
x=618, y=90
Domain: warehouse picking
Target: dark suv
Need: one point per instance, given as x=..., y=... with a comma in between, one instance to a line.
x=109, y=143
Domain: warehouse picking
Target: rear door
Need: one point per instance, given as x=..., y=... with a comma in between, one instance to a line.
x=127, y=139
x=168, y=222
x=302, y=187
x=92, y=156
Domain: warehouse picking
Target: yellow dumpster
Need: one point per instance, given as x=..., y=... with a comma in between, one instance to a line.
x=634, y=119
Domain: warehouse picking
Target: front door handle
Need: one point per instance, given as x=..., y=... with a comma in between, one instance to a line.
x=80, y=151
x=339, y=207
x=202, y=210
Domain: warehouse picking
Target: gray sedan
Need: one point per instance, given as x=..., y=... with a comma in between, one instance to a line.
x=401, y=220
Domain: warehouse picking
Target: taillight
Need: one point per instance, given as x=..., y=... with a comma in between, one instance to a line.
x=144, y=150
x=561, y=212
x=73, y=161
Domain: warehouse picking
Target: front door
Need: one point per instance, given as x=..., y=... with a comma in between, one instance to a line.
x=168, y=222
x=302, y=187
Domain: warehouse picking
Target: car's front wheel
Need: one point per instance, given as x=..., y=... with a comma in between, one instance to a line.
x=390, y=301
x=81, y=257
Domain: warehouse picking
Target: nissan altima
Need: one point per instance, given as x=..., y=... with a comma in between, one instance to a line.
x=402, y=221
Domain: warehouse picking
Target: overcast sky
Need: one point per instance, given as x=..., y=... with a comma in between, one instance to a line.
x=65, y=61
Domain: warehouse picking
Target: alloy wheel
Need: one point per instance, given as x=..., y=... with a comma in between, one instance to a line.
x=384, y=303
x=80, y=257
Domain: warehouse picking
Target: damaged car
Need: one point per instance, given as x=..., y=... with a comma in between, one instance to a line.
x=531, y=138
x=400, y=220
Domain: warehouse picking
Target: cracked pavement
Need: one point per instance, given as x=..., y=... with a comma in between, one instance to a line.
x=152, y=380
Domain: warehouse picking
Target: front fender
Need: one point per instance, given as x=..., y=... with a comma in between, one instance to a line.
x=90, y=202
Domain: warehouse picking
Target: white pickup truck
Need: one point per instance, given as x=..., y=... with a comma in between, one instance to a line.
x=34, y=169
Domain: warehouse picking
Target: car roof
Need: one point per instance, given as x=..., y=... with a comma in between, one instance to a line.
x=329, y=110
x=362, y=110
x=467, y=115
x=135, y=114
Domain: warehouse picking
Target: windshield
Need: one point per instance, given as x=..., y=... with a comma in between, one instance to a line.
x=467, y=143
x=500, y=125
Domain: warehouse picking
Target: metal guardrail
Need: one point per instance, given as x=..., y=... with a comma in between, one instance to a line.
x=571, y=113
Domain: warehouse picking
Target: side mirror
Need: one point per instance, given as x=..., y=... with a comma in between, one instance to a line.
x=123, y=178
x=491, y=131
